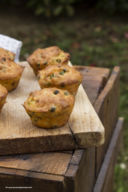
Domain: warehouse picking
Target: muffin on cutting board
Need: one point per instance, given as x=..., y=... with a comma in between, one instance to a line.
x=3, y=95
x=10, y=74
x=6, y=55
x=49, y=107
x=41, y=58
x=60, y=76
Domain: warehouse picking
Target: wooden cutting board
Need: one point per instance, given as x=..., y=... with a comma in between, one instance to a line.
x=18, y=135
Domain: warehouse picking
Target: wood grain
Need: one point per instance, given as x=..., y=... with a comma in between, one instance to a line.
x=55, y=163
x=80, y=174
x=37, y=181
x=84, y=122
x=104, y=181
x=94, y=79
x=17, y=131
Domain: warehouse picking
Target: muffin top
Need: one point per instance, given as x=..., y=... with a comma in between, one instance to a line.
x=10, y=70
x=3, y=91
x=50, y=100
x=59, y=75
x=6, y=55
x=46, y=56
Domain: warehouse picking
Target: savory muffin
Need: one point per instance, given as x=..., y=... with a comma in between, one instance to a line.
x=41, y=58
x=49, y=107
x=3, y=95
x=6, y=55
x=63, y=77
x=10, y=74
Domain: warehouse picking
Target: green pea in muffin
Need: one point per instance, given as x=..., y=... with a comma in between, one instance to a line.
x=41, y=58
x=49, y=107
x=62, y=77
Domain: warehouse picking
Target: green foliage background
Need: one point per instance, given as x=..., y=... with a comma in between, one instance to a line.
x=51, y=8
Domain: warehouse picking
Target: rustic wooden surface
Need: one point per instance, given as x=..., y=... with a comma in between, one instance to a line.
x=104, y=181
x=83, y=130
x=106, y=106
x=37, y=181
x=86, y=127
x=67, y=170
x=47, y=162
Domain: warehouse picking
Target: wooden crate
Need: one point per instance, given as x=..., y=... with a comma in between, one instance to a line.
x=70, y=171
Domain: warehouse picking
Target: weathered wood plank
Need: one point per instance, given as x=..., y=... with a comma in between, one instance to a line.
x=84, y=122
x=37, y=181
x=55, y=163
x=104, y=181
x=107, y=108
x=76, y=157
x=94, y=71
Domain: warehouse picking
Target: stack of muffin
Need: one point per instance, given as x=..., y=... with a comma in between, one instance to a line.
x=52, y=105
x=10, y=74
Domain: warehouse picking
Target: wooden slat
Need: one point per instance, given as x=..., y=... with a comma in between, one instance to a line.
x=93, y=71
x=106, y=106
x=55, y=163
x=38, y=181
x=104, y=181
x=76, y=157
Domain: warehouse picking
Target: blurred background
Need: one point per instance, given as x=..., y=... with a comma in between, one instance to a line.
x=95, y=32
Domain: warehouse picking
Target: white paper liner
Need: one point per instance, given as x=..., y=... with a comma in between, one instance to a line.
x=11, y=44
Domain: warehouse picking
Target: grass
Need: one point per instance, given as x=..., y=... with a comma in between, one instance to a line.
x=92, y=40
